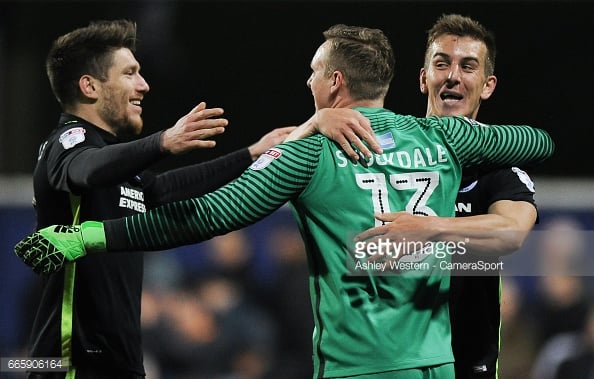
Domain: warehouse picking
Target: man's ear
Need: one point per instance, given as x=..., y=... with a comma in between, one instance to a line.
x=88, y=86
x=337, y=81
x=423, y=81
x=489, y=87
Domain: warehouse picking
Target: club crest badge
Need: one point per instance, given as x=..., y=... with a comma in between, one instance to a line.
x=386, y=140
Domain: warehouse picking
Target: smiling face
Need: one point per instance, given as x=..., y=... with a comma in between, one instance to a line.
x=120, y=96
x=454, y=76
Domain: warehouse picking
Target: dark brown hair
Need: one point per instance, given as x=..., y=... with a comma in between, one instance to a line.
x=87, y=50
x=462, y=26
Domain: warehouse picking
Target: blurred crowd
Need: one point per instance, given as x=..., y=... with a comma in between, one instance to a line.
x=222, y=319
x=548, y=318
x=237, y=307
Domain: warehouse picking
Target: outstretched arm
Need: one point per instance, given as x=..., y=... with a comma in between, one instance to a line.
x=502, y=231
x=278, y=176
x=86, y=166
x=204, y=177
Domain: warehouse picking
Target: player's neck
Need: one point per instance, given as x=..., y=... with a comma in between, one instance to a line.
x=89, y=114
x=363, y=104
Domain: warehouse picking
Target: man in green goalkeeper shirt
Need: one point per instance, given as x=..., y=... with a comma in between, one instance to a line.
x=368, y=323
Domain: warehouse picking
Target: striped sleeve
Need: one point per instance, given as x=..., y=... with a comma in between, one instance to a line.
x=496, y=145
x=259, y=191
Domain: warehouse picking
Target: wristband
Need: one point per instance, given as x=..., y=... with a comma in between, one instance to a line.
x=93, y=236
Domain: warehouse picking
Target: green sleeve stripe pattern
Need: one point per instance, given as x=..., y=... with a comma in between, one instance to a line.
x=535, y=144
x=253, y=196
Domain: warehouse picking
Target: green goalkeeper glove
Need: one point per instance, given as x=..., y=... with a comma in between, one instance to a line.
x=49, y=248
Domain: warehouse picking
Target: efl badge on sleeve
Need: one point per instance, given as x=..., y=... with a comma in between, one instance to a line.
x=72, y=137
x=265, y=159
x=474, y=122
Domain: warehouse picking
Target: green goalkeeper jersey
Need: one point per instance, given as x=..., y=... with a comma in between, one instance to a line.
x=366, y=320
